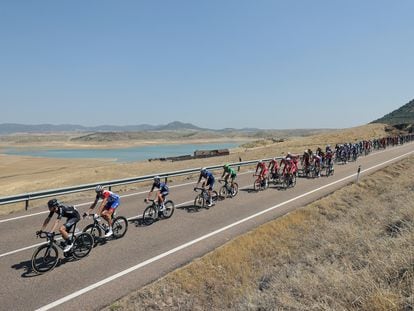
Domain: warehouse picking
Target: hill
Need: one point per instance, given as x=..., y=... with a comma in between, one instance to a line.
x=12, y=128
x=401, y=117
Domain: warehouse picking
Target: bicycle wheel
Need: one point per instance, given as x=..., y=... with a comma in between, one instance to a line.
x=214, y=196
x=257, y=185
x=293, y=180
x=119, y=226
x=82, y=245
x=94, y=231
x=169, y=209
x=235, y=190
x=199, y=201
x=266, y=183
x=223, y=192
x=150, y=215
x=45, y=258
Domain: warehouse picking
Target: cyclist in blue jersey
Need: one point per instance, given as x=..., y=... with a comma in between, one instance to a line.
x=110, y=201
x=162, y=192
x=208, y=181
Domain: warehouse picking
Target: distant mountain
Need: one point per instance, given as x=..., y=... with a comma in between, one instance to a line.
x=177, y=126
x=401, y=116
x=11, y=128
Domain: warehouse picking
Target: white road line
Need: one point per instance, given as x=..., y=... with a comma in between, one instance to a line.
x=89, y=203
x=181, y=247
x=21, y=249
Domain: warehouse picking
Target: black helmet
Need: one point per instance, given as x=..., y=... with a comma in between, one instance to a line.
x=157, y=180
x=53, y=203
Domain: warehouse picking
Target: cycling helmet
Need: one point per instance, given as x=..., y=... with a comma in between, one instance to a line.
x=53, y=203
x=98, y=189
x=260, y=161
x=226, y=166
x=157, y=179
x=203, y=170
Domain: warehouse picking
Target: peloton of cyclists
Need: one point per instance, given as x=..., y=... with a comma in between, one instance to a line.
x=162, y=192
x=110, y=201
x=69, y=212
x=208, y=181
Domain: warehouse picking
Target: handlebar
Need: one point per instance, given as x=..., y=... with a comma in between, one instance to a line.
x=45, y=234
x=199, y=188
x=95, y=216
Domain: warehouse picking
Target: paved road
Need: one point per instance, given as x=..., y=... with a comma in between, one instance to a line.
x=148, y=252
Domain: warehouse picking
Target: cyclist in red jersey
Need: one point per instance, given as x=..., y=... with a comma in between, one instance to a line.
x=110, y=201
x=273, y=168
x=263, y=170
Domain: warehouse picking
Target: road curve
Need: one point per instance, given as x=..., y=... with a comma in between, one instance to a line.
x=148, y=252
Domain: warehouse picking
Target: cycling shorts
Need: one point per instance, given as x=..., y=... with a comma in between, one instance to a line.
x=114, y=204
x=70, y=223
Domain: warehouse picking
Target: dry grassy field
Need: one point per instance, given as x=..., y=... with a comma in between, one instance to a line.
x=352, y=250
x=20, y=174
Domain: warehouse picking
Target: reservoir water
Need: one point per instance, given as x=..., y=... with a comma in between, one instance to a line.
x=121, y=154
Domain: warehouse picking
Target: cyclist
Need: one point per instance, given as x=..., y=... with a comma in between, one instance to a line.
x=72, y=215
x=229, y=172
x=110, y=201
x=263, y=170
x=274, y=168
x=317, y=160
x=208, y=181
x=161, y=193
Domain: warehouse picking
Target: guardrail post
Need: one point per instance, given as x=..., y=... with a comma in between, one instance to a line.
x=359, y=171
x=110, y=188
x=27, y=204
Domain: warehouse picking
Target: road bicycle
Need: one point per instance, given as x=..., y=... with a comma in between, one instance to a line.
x=275, y=177
x=261, y=184
x=288, y=180
x=46, y=256
x=202, y=198
x=153, y=211
x=119, y=227
x=228, y=190
x=329, y=169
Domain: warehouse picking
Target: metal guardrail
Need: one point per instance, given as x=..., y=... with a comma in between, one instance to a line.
x=26, y=197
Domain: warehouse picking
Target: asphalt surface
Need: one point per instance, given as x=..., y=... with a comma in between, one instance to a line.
x=145, y=253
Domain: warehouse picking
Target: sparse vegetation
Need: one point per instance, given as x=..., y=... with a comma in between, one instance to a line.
x=352, y=250
x=401, y=116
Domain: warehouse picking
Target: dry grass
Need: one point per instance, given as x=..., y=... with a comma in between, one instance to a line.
x=19, y=174
x=352, y=250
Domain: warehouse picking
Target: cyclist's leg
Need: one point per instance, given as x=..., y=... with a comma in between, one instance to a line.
x=160, y=198
x=210, y=184
x=63, y=232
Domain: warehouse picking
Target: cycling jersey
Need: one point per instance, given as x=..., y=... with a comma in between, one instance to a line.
x=263, y=169
x=230, y=171
x=273, y=166
x=161, y=186
x=209, y=178
x=70, y=212
x=65, y=211
x=112, y=198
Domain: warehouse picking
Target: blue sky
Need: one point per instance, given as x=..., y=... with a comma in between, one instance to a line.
x=216, y=63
